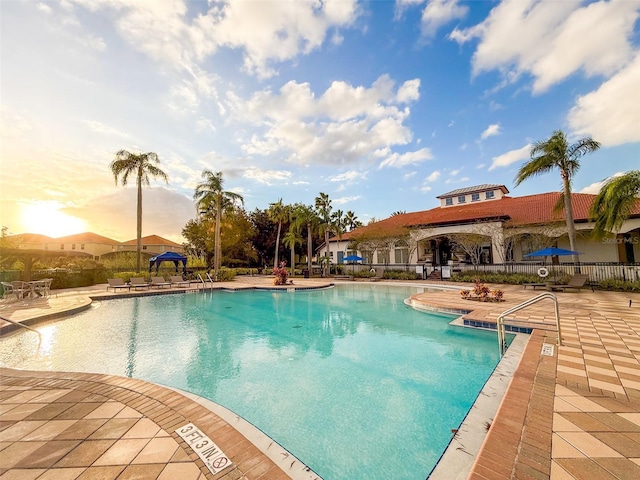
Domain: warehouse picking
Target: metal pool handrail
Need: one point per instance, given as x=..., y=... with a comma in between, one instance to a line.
x=21, y=325
x=500, y=323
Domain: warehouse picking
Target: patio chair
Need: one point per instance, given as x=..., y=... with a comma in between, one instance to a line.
x=42, y=287
x=138, y=282
x=577, y=282
x=177, y=281
x=159, y=282
x=117, y=283
x=534, y=285
x=378, y=276
x=7, y=290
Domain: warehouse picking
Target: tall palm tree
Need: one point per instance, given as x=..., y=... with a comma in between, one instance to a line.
x=278, y=213
x=143, y=166
x=323, y=208
x=305, y=215
x=556, y=152
x=351, y=220
x=210, y=195
x=615, y=202
x=291, y=239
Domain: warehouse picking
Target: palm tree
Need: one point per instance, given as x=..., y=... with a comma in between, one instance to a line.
x=351, y=221
x=323, y=207
x=291, y=239
x=278, y=213
x=143, y=166
x=615, y=202
x=210, y=195
x=555, y=152
x=304, y=215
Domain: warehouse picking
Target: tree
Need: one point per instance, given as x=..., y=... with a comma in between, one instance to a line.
x=278, y=213
x=555, y=152
x=291, y=239
x=351, y=221
x=143, y=166
x=323, y=208
x=306, y=215
x=210, y=196
x=615, y=202
x=265, y=235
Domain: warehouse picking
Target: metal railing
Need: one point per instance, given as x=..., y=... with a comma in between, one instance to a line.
x=501, y=325
x=19, y=324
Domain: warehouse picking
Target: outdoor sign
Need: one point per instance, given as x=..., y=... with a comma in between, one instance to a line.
x=209, y=452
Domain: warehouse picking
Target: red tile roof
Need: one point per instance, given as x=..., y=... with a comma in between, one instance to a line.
x=87, y=237
x=153, y=240
x=527, y=210
x=31, y=238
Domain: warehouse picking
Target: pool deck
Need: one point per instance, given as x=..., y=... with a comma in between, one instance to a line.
x=574, y=414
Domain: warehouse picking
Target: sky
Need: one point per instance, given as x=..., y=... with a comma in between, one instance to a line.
x=382, y=105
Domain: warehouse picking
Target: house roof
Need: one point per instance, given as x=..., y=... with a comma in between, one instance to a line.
x=528, y=210
x=86, y=237
x=153, y=240
x=478, y=188
x=31, y=238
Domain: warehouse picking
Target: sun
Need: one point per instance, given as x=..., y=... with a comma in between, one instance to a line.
x=45, y=218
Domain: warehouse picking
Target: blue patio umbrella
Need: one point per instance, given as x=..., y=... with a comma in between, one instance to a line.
x=354, y=259
x=551, y=251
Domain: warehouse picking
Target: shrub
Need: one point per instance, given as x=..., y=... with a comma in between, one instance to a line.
x=281, y=273
x=400, y=275
x=226, y=274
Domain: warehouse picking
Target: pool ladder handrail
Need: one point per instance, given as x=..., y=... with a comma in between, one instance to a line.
x=20, y=324
x=501, y=325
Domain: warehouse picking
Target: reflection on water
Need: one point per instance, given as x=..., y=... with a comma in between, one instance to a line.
x=353, y=382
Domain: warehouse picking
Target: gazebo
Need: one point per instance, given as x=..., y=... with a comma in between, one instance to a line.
x=174, y=257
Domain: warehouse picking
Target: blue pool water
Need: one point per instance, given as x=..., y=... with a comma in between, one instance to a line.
x=353, y=382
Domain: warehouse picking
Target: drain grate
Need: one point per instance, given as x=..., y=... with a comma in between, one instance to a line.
x=547, y=349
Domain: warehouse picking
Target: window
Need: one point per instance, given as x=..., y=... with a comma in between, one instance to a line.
x=475, y=197
x=144, y=247
x=82, y=246
x=383, y=256
x=461, y=198
x=402, y=252
x=73, y=246
x=489, y=195
x=448, y=201
x=62, y=246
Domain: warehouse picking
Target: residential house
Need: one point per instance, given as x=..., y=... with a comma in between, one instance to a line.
x=483, y=224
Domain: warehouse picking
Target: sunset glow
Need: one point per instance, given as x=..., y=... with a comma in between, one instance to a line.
x=46, y=218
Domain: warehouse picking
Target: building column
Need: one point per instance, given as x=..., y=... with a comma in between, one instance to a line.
x=498, y=246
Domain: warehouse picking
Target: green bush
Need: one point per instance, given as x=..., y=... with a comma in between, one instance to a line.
x=226, y=274
x=620, y=285
x=400, y=275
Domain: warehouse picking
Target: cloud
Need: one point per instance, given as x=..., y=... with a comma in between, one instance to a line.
x=551, y=40
x=610, y=114
x=435, y=175
x=438, y=13
x=409, y=175
x=510, y=157
x=344, y=200
x=344, y=125
x=350, y=176
x=491, y=130
x=106, y=130
x=271, y=32
x=398, y=160
x=266, y=176
x=595, y=187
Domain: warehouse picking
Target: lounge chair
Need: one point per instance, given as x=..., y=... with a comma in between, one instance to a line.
x=138, y=282
x=177, y=281
x=159, y=282
x=577, y=282
x=378, y=276
x=117, y=283
x=534, y=285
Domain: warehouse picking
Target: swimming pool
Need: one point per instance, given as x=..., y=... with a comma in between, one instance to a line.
x=350, y=380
